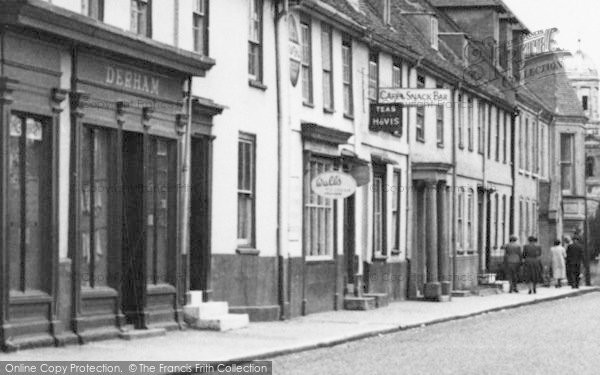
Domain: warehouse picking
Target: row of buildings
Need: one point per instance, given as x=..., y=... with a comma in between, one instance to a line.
x=150, y=148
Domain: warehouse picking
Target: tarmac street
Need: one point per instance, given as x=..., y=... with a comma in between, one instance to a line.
x=557, y=337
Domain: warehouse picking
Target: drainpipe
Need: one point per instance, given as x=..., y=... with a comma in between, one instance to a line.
x=185, y=176
x=454, y=208
x=281, y=11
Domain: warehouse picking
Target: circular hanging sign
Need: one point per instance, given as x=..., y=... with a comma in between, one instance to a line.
x=333, y=185
x=295, y=50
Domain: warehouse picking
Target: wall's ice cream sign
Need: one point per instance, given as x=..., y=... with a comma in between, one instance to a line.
x=333, y=185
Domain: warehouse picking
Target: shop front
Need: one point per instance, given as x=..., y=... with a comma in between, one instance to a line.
x=90, y=179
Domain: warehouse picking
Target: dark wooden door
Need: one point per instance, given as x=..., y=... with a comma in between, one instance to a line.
x=349, y=248
x=199, y=215
x=133, y=284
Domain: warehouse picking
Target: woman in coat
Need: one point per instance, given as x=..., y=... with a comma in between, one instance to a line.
x=559, y=271
x=533, y=264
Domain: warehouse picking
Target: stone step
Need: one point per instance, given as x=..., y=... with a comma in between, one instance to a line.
x=381, y=299
x=483, y=291
x=221, y=323
x=461, y=293
x=194, y=297
x=134, y=334
x=206, y=310
x=359, y=303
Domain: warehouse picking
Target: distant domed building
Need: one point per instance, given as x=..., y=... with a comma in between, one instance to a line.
x=583, y=74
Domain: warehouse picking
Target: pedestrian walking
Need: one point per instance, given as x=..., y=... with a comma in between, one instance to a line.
x=512, y=262
x=574, y=260
x=532, y=253
x=558, y=262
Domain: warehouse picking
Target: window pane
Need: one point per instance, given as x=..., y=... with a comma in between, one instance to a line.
x=86, y=202
x=14, y=196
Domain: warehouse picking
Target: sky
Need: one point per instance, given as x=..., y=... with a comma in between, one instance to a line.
x=575, y=19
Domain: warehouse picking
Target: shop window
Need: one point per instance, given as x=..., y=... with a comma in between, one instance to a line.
x=373, y=76
x=255, y=47
x=318, y=213
x=347, y=75
x=439, y=121
x=496, y=225
x=141, y=17
x=470, y=246
x=327, y=65
x=566, y=163
x=460, y=244
x=161, y=200
x=93, y=9
x=306, y=40
x=246, y=190
x=379, y=216
x=200, y=26
x=503, y=221
x=28, y=201
x=589, y=166
x=96, y=159
x=396, y=192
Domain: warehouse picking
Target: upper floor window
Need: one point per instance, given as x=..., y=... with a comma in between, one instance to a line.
x=200, y=26
x=387, y=12
x=420, y=133
x=326, y=56
x=347, y=75
x=527, y=145
x=255, y=41
x=584, y=102
x=566, y=163
x=505, y=139
x=498, y=116
x=439, y=122
x=141, y=17
x=480, y=122
x=470, y=123
x=460, y=121
x=434, y=33
x=396, y=75
x=307, y=91
x=373, y=76
x=93, y=9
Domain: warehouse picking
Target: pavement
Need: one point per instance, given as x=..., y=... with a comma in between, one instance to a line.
x=271, y=339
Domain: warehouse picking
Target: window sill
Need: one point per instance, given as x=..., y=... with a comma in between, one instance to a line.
x=257, y=84
x=247, y=251
x=329, y=111
x=380, y=258
x=348, y=116
x=440, y=145
x=422, y=140
x=309, y=105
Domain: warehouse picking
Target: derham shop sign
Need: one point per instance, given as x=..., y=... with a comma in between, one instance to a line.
x=333, y=185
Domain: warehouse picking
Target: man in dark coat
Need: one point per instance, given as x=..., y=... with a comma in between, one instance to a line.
x=574, y=260
x=512, y=262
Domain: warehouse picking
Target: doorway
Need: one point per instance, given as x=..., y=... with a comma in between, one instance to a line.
x=349, y=245
x=200, y=253
x=133, y=284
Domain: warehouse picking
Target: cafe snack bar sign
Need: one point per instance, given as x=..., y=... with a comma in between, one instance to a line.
x=333, y=185
x=415, y=97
